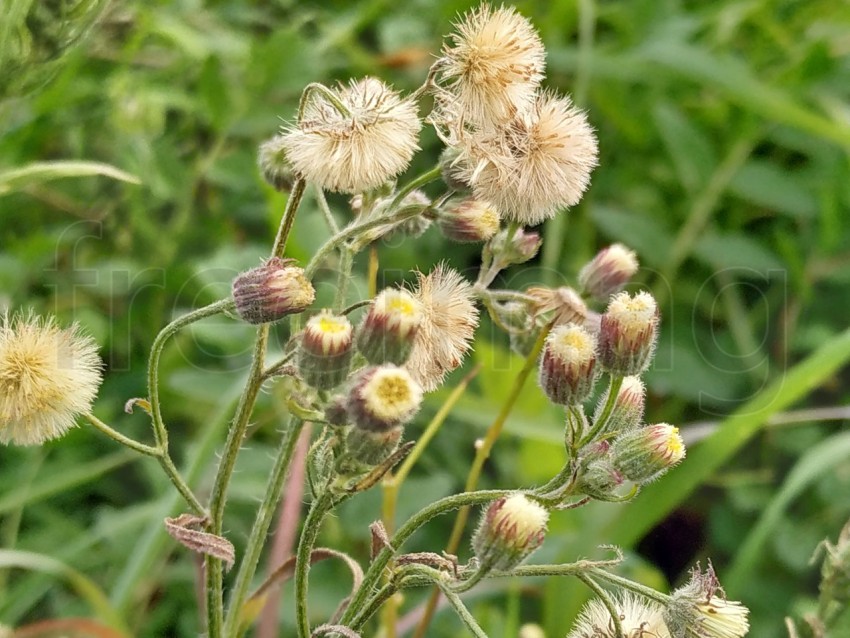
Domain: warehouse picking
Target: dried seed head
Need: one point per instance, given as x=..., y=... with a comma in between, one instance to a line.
x=564, y=302
x=536, y=165
x=468, y=220
x=389, y=328
x=699, y=609
x=628, y=333
x=494, y=64
x=608, y=271
x=644, y=454
x=324, y=358
x=511, y=528
x=639, y=618
x=568, y=369
x=359, y=149
x=272, y=291
x=48, y=377
x=448, y=325
x=383, y=397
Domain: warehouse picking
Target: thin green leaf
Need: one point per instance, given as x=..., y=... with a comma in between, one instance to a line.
x=40, y=172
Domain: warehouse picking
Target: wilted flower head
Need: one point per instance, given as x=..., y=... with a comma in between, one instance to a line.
x=564, y=302
x=608, y=271
x=495, y=63
x=535, y=165
x=357, y=150
x=510, y=529
x=699, y=609
x=639, y=618
x=467, y=219
x=272, y=291
x=448, y=324
x=48, y=377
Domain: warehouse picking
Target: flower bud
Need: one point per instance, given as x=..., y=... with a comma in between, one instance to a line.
x=568, y=365
x=518, y=249
x=627, y=413
x=451, y=171
x=383, y=397
x=645, y=454
x=468, y=220
x=336, y=412
x=326, y=349
x=511, y=528
x=599, y=479
x=272, y=291
x=700, y=608
x=608, y=272
x=415, y=226
x=373, y=448
x=389, y=327
x=564, y=303
x=274, y=165
x=627, y=334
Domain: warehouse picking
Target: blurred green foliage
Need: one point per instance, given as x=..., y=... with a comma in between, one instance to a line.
x=724, y=130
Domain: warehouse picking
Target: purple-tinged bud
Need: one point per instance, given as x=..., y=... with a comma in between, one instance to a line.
x=468, y=220
x=516, y=249
x=644, y=454
x=568, y=370
x=336, y=412
x=274, y=165
x=608, y=272
x=564, y=303
x=324, y=358
x=389, y=328
x=383, y=397
x=272, y=291
x=627, y=334
x=511, y=528
x=373, y=448
x=627, y=413
x=599, y=479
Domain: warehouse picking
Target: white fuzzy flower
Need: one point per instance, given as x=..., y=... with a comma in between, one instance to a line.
x=371, y=141
x=48, y=377
x=639, y=619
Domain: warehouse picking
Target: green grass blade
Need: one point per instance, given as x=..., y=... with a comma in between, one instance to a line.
x=85, y=587
x=818, y=461
x=659, y=499
x=39, y=172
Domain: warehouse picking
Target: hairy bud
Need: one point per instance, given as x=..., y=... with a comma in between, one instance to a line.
x=511, y=528
x=326, y=349
x=272, y=291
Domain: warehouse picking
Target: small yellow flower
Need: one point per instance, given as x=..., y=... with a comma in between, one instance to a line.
x=383, y=397
x=494, y=64
x=448, y=325
x=48, y=377
x=359, y=149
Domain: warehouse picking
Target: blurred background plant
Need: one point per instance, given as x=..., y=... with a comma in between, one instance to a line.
x=724, y=134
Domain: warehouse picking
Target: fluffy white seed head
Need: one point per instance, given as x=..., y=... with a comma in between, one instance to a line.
x=48, y=377
x=371, y=141
x=638, y=617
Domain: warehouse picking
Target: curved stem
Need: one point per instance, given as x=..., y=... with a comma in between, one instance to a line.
x=606, y=600
x=126, y=441
x=288, y=218
x=346, y=262
x=262, y=522
x=625, y=583
x=426, y=178
x=318, y=510
x=472, y=581
x=482, y=453
x=600, y=423
x=235, y=435
x=373, y=574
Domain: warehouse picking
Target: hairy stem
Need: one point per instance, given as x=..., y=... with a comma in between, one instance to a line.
x=315, y=516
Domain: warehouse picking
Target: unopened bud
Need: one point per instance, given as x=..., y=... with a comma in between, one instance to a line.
x=468, y=220
x=389, y=327
x=516, y=249
x=608, y=272
x=415, y=226
x=326, y=349
x=599, y=479
x=383, y=397
x=373, y=448
x=511, y=528
x=627, y=412
x=272, y=291
x=627, y=334
x=645, y=454
x=568, y=370
x=564, y=303
x=274, y=165
x=700, y=608
x=451, y=170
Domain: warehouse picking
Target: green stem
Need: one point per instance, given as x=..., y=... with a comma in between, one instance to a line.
x=461, y=610
x=346, y=262
x=315, y=516
x=600, y=423
x=606, y=600
x=262, y=522
x=326, y=210
x=447, y=504
x=625, y=583
x=126, y=441
x=472, y=581
x=426, y=178
x=328, y=94
x=235, y=436
x=288, y=218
